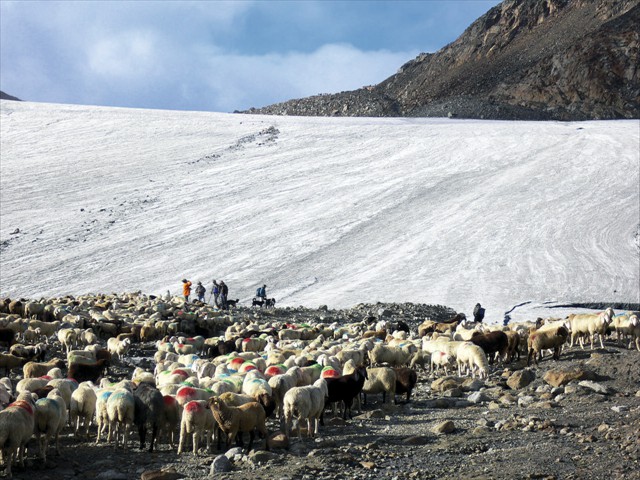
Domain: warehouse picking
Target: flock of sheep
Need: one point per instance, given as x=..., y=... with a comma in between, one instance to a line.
x=217, y=378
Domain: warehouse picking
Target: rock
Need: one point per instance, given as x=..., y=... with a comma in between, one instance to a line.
x=479, y=431
x=260, y=456
x=443, y=427
x=221, y=464
x=368, y=465
x=339, y=421
x=620, y=408
x=507, y=399
x=168, y=474
x=443, y=384
x=477, y=397
x=370, y=414
x=596, y=387
x=416, y=440
x=521, y=378
x=525, y=400
x=453, y=393
x=441, y=403
x=559, y=376
x=232, y=452
x=494, y=405
x=112, y=475
x=472, y=385
x=278, y=440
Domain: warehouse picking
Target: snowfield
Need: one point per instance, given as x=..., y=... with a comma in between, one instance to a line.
x=332, y=211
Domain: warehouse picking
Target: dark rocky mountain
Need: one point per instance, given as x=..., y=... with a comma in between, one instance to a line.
x=523, y=59
x=6, y=96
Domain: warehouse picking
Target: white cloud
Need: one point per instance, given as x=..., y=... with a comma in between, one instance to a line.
x=127, y=55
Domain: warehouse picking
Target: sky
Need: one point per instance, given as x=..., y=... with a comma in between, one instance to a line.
x=324, y=211
x=214, y=56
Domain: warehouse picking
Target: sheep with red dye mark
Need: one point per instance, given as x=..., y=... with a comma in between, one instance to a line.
x=16, y=428
x=197, y=421
x=169, y=418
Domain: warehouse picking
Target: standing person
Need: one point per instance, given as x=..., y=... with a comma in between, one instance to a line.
x=261, y=292
x=216, y=294
x=186, y=289
x=478, y=313
x=224, y=292
x=200, y=291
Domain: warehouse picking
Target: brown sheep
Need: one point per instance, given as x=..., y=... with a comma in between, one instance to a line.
x=234, y=420
x=544, y=339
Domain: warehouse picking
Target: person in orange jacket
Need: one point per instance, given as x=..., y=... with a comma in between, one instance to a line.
x=186, y=289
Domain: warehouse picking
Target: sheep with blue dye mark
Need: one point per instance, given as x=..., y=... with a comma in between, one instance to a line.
x=51, y=416
x=121, y=414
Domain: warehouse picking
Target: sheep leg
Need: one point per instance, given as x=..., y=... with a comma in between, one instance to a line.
x=183, y=436
x=154, y=435
x=196, y=441
x=252, y=435
x=142, y=433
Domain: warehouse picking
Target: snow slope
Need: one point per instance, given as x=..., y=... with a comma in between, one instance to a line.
x=331, y=211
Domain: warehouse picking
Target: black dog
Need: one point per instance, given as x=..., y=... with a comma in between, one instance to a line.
x=233, y=303
x=270, y=303
x=257, y=303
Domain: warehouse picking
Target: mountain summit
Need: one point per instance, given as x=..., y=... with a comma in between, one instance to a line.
x=523, y=59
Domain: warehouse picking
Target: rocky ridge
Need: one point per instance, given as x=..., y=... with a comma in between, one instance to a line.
x=523, y=59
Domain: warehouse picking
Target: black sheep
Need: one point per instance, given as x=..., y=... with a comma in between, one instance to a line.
x=81, y=372
x=149, y=405
x=345, y=389
x=406, y=380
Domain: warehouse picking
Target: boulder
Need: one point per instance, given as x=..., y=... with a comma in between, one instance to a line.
x=443, y=427
x=558, y=376
x=220, y=464
x=596, y=387
x=444, y=383
x=521, y=378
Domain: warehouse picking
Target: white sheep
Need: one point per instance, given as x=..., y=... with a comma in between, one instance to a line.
x=441, y=359
x=305, y=403
x=393, y=356
x=83, y=407
x=101, y=414
x=280, y=385
x=118, y=348
x=197, y=420
x=68, y=338
x=585, y=324
x=51, y=416
x=120, y=411
x=472, y=358
x=16, y=428
x=380, y=380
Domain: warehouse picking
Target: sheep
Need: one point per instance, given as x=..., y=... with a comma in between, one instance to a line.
x=280, y=385
x=197, y=419
x=623, y=326
x=406, y=379
x=149, y=405
x=118, y=348
x=441, y=359
x=6, y=392
x=83, y=407
x=88, y=337
x=68, y=338
x=35, y=370
x=120, y=412
x=513, y=345
x=473, y=357
x=543, y=339
x=87, y=372
x=420, y=358
x=169, y=418
x=305, y=403
x=380, y=380
x=394, y=356
x=48, y=329
x=51, y=416
x=492, y=342
x=31, y=384
x=589, y=324
x=9, y=362
x=102, y=416
x=346, y=388
x=16, y=428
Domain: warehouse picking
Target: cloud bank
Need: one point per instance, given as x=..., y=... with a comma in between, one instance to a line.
x=171, y=55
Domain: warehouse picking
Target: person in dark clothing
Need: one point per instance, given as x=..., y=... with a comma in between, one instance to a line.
x=478, y=313
x=224, y=293
x=200, y=291
x=261, y=293
x=216, y=294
